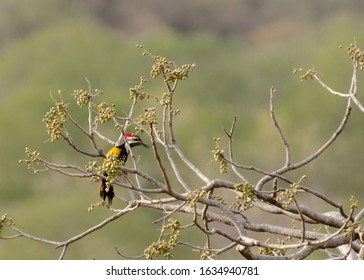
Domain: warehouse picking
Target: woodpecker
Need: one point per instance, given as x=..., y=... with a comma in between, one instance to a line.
x=121, y=152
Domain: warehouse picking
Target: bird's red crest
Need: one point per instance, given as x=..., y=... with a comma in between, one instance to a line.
x=127, y=135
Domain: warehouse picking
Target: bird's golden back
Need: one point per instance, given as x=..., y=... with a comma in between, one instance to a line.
x=119, y=152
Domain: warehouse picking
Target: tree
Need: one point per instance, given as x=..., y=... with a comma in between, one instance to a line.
x=217, y=208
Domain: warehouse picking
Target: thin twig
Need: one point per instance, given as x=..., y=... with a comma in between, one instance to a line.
x=275, y=122
x=325, y=199
x=159, y=161
x=70, y=142
x=231, y=154
x=303, y=225
x=35, y=238
x=171, y=213
x=330, y=90
x=193, y=168
x=171, y=160
x=97, y=227
x=102, y=137
x=127, y=257
x=63, y=253
x=313, y=156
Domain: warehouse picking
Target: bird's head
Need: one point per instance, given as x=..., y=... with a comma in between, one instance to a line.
x=133, y=140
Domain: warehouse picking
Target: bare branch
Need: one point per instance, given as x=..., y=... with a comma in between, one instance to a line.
x=281, y=135
x=193, y=168
x=119, y=214
x=159, y=161
x=70, y=142
x=64, y=250
x=330, y=90
x=313, y=156
x=303, y=237
x=29, y=236
x=231, y=156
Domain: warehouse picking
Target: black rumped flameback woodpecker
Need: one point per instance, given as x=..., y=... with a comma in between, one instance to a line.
x=121, y=152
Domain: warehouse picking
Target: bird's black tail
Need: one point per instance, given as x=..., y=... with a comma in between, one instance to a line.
x=106, y=192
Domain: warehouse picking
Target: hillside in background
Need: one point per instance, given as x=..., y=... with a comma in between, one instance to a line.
x=257, y=20
x=241, y=49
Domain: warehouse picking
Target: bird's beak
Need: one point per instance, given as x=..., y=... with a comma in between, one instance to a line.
x=145, y=145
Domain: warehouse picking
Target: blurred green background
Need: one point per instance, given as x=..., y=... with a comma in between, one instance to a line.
x=241, y=48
